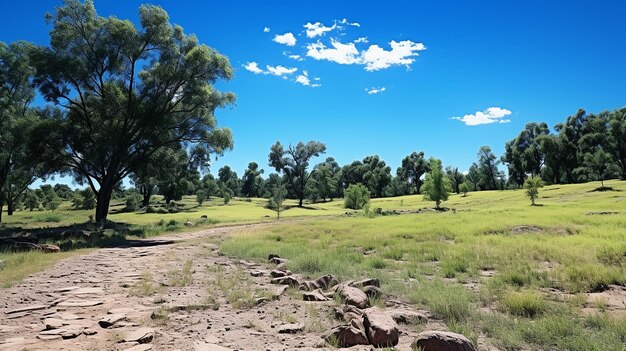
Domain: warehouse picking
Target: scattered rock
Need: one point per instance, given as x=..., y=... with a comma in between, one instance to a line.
x=67, y=332
x=188, y=224
x=408, y=317
x=53, y=323
x=347, y=335
x=381, y=329
x=275, y=259
x=353, y=296
x=125, y=310
x=27, y=309
x=87, y=291
x=257, y=273
x=49, y=248
x=80, y=303
x=320, y=283
x=204, y=217
x=140, y=347
x=141, y=335
x=366, y=282
x=89, y=331
x=372, y=291
x=110, y=319
x=293, y=328
x=315, y=295
x=348, y=313
x=442, y=341
x=278, y=273
x=203, y=346
x=288, y=280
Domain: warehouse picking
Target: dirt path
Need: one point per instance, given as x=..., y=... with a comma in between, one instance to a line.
x=164, y=295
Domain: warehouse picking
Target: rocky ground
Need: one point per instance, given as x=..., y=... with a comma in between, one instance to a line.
x=178, y=293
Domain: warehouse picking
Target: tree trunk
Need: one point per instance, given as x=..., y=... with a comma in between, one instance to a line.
x=1, y=206
x=300, y=198
x=10, y=207
x=147, y=193
x=103, y=200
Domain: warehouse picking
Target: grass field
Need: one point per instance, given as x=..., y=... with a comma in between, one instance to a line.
x=491, y=266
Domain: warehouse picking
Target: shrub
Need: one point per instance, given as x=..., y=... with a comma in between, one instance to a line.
x=465, y=188
x=133, y=203
x=356, y=196
x=525, y=304
x=532, y=186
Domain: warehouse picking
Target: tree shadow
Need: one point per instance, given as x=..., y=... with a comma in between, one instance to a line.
x=603, y=188
x=74, y=237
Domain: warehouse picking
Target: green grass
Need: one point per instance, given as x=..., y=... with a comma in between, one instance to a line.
x=427, y=257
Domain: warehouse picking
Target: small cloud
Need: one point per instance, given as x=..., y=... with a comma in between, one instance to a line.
x=317, y=29
x=361, y=40
x=253, y=67
x=345, y=54
x=296, y=57
x=376, y=58
x=354, y=24
x=266, y=30
x=490, y=115
x=373, y=91
x=280, y=70
x=285, y=39
x=304, y=80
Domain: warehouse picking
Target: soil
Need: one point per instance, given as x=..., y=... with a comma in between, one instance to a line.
x=147, y=302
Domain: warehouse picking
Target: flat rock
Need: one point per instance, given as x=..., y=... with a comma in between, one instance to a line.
x=442, y=341
x=408, y=317
x=141, y=335
x=90, y=331
x=53, y=323
x=203, y=346
x=65, y=316
x=121, y=310
x=347, y=335
x=27, y=309
x=381, y=329
x=353, y=296
x=66, y=289
x=111, y=319
x=366, y=282
x=316, y=295
x=292, y=328
x=319, y=283
x=288, y=280
x=276, y=273
x=140, y=347
x=80, y=303
x=87, y=291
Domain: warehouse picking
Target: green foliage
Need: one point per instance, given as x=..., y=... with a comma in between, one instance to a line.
x=294, y=162
x=525, y=304
x=465, y=188
x=532, y=186
x=356, y=196
x=436, y=186
x=276, y=200
x=133, y=202
x=414, y=166
x=597, y=165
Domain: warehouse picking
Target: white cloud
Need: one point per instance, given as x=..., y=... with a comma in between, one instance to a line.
x=345, y=21
x=304, y=80
x=490, y=115
x=286, y=39
x=375, y=90
x=280, y=70
x=253, y=67
x=296, y=57
x=266, y=30
x=345, y=54
x=361, y=40
x=376, y=58
x=317, y=29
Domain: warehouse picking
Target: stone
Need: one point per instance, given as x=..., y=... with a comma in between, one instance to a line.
x=49, y=248
x=257, y=273
x=67, y=332
x=381, y=329
x=80, y=303
x=204, y=346
x=315, y=295
x=65, y=316
x=141, y=335
x=347, y=335
x=320, y=283
x=442, y=341
x=288, y=280
x=110, y=319
x=140, y=347
x=204, y=216
x=292, y=328
x=372, y=291
x=188, y=224
x=27, y=309
x=47, y=337
x=366, y=282
x=87, y=291
x=66, y=289
x=125, y=310
x=348, y=313
x=277, y=260
x=278, y=273
x=89, y=331
x=408, y=317
x=353, y=296
x=53, y=323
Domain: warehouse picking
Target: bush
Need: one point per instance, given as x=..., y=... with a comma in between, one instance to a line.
x=133, y=203
x=532, y=186
x=356, y=196
x=525, y=304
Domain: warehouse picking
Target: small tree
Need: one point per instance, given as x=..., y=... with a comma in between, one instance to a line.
x=89, y=199
x=133, y=202
x=436, y=185
x=356, y=196
x=53, y=201
x=276, y=200
x=465, y=188
x=599, y=166
x=532, y=186
x=31, y=200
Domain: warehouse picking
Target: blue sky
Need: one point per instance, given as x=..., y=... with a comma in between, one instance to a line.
x=510, y=62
